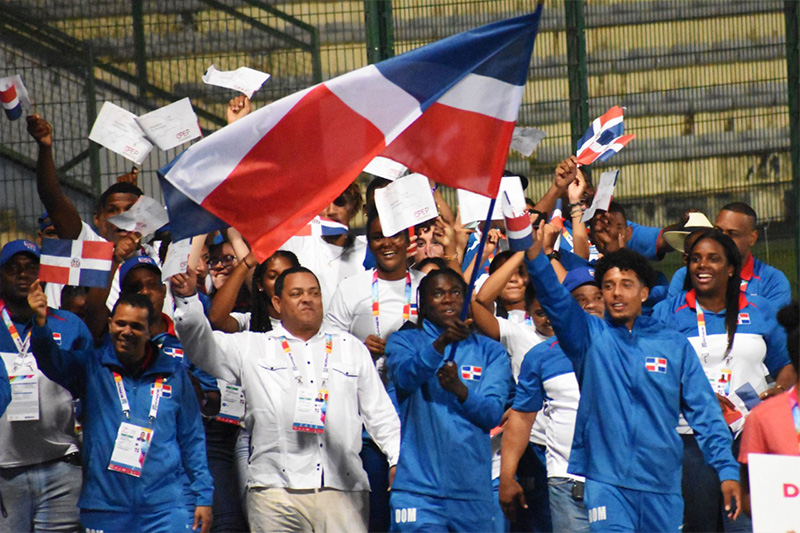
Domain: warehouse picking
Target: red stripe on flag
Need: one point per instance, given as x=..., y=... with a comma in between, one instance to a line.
x=434, y=145
x=278, y=186
x=614, y=112
x=54, y=274
x=98, y=250
x=518, y=223
x=8, y=95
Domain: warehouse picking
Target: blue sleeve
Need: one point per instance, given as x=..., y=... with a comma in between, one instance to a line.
x=659, y=291
x=571, y=261
x=411, y=361
x=485, y=408
x=569, y=321
x=530, y=389
x=369, y=260
x=192, y=443
x=676, y=285
x=5, y=390
x=775, y=337
x=777, y=289
x=701, y=409
x=206, y=301
x=644, y=240
x=65, y=367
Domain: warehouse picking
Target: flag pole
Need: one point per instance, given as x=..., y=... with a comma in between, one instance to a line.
x=478, y=264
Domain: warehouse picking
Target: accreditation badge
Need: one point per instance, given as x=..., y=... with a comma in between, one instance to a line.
x=130, y=449
x=24, y=406
x=231, y=408
x=720, y=379
x=310, y=410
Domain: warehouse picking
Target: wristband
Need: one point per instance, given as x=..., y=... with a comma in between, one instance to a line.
x=555, y=254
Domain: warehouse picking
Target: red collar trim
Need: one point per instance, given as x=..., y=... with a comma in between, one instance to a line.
x=691, y=301
x=170, y=324
x=747, y=269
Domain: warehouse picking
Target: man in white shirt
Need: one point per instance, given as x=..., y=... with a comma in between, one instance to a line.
x=308, y=391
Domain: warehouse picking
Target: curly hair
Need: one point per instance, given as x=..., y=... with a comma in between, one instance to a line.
x=625, y=259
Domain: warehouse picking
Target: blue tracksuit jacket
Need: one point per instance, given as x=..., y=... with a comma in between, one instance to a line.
x=625, y=431
x=445, y=449
x=178, y=438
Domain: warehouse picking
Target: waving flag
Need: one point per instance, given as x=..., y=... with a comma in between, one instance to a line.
x=604, y=138
x=323, y=227
x=11, y=104
x=518, y=224
x=446, y=110
x=84, y=263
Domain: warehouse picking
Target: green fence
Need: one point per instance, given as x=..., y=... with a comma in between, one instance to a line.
x=704, y=84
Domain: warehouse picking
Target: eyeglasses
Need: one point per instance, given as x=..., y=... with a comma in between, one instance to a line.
x=226, y=260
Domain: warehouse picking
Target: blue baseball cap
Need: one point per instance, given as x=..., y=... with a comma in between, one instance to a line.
x=20, y=246
x=137, y=262
x=578, y=277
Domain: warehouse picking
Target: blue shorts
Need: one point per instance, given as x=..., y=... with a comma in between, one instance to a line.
x=418, y=512
x=168, y=520
x=612, y=508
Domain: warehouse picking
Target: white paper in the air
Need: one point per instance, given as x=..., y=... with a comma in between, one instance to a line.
x=116, y=129
x=384, y=167
x=474, y=207
x=177, y=259
x=145, y=217
x=602, y=195
x=405, y=203
x=525, y=140
x=171, y=125
x=244, y=79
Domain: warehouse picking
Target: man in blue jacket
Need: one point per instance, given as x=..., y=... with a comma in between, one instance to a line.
x=142, y=423
x=636, y=377
x=444, y=474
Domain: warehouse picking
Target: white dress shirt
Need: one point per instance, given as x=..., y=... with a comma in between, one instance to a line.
x=280, y=456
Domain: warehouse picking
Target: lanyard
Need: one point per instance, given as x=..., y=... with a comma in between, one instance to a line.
x=158, y=389
x=795, y=414
x=22, y=346
x=376, y=306
x=296, y=372
x=701, y=330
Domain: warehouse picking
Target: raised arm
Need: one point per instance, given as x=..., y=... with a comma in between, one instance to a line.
x=223, y=302
x=564, y=175
x=214, y=352
x=580, y=238
x=62, y=211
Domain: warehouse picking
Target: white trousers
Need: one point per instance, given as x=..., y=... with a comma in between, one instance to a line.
x=317, y=510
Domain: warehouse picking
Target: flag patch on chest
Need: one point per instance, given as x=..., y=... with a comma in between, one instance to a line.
x=166, y=391
x=57, y=338
x=656, y=364
x=173, y=352
x=471, y=372
x=744, y=318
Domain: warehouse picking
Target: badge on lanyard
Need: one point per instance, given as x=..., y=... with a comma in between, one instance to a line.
x=130, y=449
x=231, y=410
x=720, y=379
x=311, y=404
x=24, y=404
x=133, y=441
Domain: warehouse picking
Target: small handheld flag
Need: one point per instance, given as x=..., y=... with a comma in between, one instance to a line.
x=323, y=227
x=604, y=138
x=518, y=224
x=84, y=263
x=13, y=96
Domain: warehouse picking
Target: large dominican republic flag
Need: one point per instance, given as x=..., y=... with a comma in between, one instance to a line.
x=446, y=110
x=84, y=263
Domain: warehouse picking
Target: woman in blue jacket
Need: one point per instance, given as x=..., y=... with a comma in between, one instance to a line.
x=735, y=336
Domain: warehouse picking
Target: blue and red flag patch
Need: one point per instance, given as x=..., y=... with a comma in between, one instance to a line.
x=656, y=364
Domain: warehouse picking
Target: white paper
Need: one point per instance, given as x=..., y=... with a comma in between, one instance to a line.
x=177, y=259
x=171, y=125
x=22, y=92
x=774, y=492
x=116, y=129
x=602, y=195
x=145, y=217
x=243, y=79
x=405, y=203
x=385, y=168
x=512, y=199
x=525, y=140
x=473, y=207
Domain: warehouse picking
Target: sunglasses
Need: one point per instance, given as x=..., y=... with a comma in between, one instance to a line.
x=226, y=260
